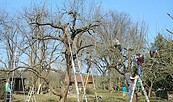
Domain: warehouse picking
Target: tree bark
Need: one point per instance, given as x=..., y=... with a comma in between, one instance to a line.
x=67, y=76
x=150, y=89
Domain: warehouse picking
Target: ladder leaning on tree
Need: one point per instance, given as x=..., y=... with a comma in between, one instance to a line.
x=79, y=72
x=74, y=72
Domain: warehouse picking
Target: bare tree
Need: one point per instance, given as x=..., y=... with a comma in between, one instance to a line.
x=118, y=40
x=9, y=42
x=66, y=33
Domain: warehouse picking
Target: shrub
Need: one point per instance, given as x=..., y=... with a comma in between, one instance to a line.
x=89, y=90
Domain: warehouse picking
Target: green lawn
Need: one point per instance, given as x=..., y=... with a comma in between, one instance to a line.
x=106, y=97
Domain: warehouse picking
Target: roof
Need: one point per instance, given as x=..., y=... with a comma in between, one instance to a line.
x=3, y=78
x=78, y=78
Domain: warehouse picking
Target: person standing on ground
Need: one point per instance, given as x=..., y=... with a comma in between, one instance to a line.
x=8, y=90
x=124, y=90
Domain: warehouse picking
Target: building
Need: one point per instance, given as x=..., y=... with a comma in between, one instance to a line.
x=18, y=83
x=89, y=79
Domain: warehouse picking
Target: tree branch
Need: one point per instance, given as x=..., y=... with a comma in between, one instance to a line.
x=47, y=37
x=113, y=66
x=83, y=48
x=169, y=31
x=169, y=15
x=82, y=30
x=49, y=24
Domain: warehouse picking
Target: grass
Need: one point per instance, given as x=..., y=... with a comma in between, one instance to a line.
x=106, y=97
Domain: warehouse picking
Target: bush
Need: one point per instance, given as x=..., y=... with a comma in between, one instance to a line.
x=2, y=91
x=89, y=91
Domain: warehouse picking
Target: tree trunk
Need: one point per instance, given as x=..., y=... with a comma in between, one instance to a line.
x=67, y=77
x=129, y=61
x=104, y=85
x=150, y=89
x=66, y=88
x=110, y=81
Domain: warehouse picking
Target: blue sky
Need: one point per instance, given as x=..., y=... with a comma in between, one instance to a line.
x=153, y=12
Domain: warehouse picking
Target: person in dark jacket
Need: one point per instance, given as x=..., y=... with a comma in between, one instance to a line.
x=140, y=61
x=154, y=52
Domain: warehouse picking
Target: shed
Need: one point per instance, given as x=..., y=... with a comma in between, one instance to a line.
x=17, y=82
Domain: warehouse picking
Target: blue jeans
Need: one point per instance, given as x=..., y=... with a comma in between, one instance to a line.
x=140, y=71
x=130, y=86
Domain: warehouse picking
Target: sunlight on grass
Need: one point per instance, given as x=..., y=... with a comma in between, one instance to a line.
x=106, y=97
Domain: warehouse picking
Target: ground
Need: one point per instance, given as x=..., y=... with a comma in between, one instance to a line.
x=105, y=96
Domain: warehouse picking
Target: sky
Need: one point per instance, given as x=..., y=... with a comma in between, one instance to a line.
x=152, y=12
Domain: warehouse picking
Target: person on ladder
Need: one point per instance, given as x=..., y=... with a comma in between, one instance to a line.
x=134, y=76
x=130, y=76
x=8, y=91
x=154, y=52
x=139, y=62
x=134, y=96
